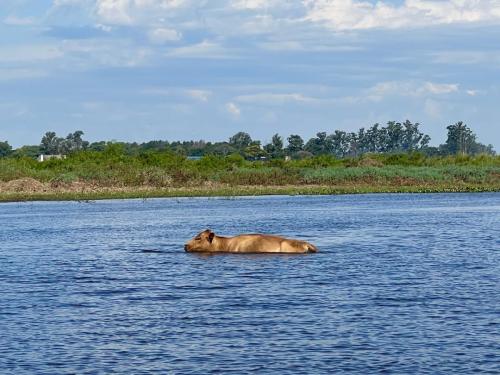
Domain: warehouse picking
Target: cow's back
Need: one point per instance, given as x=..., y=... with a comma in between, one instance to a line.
x=255, y=243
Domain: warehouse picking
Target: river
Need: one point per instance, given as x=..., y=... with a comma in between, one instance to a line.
x=403, y=283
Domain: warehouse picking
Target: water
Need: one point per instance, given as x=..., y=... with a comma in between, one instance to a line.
x=403, y=284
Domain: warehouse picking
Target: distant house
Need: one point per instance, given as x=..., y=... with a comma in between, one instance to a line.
x=256, y=158
x=43, y=157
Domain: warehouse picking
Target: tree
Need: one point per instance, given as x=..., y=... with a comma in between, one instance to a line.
x=100, y=146
x=460, y=139
x=5, y=149
x=151, y=145
x=411, y=136
x=27, y=151
x=424, y=142
x=195, y=148
x=254, y=151
x=479, y=148
x=240, y=140
x=275, y=148
x=303, y=155
x=363, y=141
x=51, y=144
x=320, y=145
x=373, y=139
x=75, y=142
x=340, y=143
x=295, y=144
x=353, y=144
x=114, y=149
x=222, y=149
x=394, y=137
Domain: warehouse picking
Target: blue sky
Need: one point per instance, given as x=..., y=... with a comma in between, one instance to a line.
x=137, y=70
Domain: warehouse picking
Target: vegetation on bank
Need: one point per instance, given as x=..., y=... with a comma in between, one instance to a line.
x=112, y=173
x=113, y=167
x=395, y=158
x=224, y=191
x=395, y=137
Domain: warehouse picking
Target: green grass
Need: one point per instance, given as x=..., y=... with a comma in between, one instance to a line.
x=113, y=174
x=397, y=173
x=239, y=191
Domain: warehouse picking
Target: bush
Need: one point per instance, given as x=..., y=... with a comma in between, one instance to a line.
x=113, y=167
x=262, y=176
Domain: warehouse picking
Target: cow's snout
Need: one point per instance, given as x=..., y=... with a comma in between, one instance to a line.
x=186, y=247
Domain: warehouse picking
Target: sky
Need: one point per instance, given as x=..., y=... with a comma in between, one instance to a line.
x=140, y=70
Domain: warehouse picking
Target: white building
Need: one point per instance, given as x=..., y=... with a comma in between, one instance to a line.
x=43, y=157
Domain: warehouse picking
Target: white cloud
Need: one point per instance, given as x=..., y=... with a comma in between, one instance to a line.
x=248, y=4
x=179, y=93
x=286, y=45
x=12, y=74
x=164, y=35
x=257, y=4
x=201, y=95
x=410, y=88
x=30, y=53
x=131, y=11
x=359, y=15
x=104, y=28
x=18, y=21
x=85, y=53
x=273, y=99
x=439, y=88
x=233, y=109
x=162, y=4
x=234, y=15
x=205, y=49
x=303, y=46
x=114, y=11
x=61, y=3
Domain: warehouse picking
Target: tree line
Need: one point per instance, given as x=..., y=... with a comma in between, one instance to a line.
x=395, y=137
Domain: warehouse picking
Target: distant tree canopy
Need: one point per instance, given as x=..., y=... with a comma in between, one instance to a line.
x=395, y=137
x=321, y=145
x=51, y=144
x=295, y=144
x=461, y=140
x=240, y=140
x=30, y=151
x=5, y=149
x=275, y=148
x=254, y=151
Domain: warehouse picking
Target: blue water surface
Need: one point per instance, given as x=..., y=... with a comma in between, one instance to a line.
x=402, y=284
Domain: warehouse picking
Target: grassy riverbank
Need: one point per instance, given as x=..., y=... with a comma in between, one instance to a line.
x=111, y=174
x=233, y=192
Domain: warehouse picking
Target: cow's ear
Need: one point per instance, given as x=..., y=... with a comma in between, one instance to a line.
x=211, y=236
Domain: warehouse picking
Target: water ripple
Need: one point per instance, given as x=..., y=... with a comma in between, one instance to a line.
x=402, y=284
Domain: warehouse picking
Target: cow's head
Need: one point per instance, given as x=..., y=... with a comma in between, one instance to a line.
x=202, y=242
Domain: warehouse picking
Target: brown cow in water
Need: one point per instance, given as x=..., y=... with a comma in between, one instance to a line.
x=208, y=242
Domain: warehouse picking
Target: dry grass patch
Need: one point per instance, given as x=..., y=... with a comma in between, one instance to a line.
x=23, y=185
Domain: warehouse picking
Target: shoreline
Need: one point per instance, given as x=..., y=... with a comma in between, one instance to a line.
x=101, y=193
